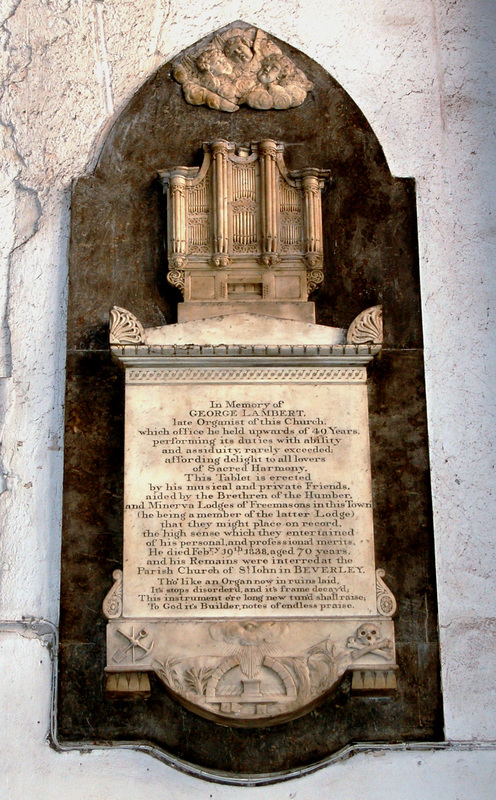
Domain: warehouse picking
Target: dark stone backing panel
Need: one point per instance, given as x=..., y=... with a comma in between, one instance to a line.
x=118, y=257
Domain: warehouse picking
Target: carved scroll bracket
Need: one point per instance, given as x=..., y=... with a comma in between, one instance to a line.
x=176, y=278
x=112, y=605
x=386, y=603
x=314, y=279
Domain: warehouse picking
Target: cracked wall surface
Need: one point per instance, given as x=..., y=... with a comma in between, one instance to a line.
x=422, y=76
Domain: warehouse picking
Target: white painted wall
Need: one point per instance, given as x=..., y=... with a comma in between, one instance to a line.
x=421, y=73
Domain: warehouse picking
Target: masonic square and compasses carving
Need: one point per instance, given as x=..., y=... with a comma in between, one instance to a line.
x=249, y=584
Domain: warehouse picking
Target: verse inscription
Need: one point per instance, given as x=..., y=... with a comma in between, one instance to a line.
x=247, y=500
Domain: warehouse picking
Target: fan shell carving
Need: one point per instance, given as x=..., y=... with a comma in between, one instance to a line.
x=367, y=328
x=125, y=328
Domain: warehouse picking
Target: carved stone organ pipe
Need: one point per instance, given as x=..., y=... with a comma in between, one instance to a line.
x=178, y=195
x=244, y=211
x=220, y=197
x=313, y=213
x=269, y=186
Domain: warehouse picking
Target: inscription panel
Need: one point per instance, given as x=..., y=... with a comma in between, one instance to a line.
x=245, y=498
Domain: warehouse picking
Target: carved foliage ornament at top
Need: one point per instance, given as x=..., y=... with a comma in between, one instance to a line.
x=241, y=67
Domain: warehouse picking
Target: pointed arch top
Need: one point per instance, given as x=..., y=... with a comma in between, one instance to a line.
x=369, y=236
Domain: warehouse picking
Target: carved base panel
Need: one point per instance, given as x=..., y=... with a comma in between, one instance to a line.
x=251, y=671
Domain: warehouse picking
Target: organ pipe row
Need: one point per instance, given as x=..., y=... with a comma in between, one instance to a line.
x=242, y=210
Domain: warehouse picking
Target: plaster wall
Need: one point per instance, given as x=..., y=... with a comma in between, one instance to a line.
x=422, y=76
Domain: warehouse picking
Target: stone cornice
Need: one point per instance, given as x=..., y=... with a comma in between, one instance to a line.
x=255, y=355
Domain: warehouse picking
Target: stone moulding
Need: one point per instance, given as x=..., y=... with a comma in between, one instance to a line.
x=224, y=354
x=259, y=375
x=128, y=684
x=241, y=66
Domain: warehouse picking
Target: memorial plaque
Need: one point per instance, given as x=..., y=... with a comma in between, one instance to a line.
x=249, y=583
x=221, y=492
x=248, y=491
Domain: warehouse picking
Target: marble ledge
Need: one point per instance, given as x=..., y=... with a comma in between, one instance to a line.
x=251, y=355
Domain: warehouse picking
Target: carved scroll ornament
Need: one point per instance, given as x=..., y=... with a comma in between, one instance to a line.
x=241, y=67
x=176, y=278
x=386, y=603
x=112, y=605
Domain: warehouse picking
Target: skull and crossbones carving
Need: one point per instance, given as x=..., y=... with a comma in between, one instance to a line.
x=368, y=639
